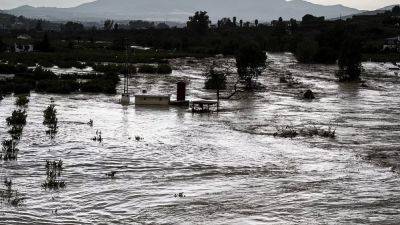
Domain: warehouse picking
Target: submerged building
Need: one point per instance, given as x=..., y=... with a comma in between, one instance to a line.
x=145, y=99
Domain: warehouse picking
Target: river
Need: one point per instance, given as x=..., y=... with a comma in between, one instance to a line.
x=229, y=166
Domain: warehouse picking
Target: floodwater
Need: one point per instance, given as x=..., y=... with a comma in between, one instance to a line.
x=229, y=166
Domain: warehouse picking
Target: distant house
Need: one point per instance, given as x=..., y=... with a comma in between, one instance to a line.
x=392, y=44
x=23, y=44
x=23, y=48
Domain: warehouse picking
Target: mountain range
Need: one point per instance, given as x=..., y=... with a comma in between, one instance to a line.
x=180, y=10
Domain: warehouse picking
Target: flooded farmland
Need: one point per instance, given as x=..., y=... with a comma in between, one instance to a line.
x=225, y=168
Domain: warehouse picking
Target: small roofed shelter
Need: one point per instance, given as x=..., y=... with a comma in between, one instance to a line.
x=144, y=99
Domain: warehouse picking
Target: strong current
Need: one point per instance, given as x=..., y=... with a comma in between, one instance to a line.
x=228, y=166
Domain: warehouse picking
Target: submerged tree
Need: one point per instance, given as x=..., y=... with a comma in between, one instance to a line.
x=50, y=120
x=350, y=58
x=22, y=101
x=250, y=63
x=216, y=80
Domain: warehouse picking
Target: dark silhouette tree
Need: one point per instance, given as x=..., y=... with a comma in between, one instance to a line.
x=39, y=26
x=3, y=46
x=306, y=51
x=108, y=25
x=312, y=20
x=396, y=10
x=44, y=45
x=241, y=23
x=293, y=25
x=199, y=23
x=250, y=63
x=72, y=27
x=256, y=23
x=162, y=26
x=350, y=58
x=116, y=26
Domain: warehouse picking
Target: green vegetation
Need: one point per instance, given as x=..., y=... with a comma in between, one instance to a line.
x=164, y=69
x=45, y=81
x=150, y=69
x=103, y=84
x=18, y=118
x=50, y=120
x=9, y=195
x=9, y=150
x=22, y=101
x=216, y=80
x=250, y=62
x=114, y=68
x=53, y=172
x=311, y=131
x=16, y=121
x=350, y=61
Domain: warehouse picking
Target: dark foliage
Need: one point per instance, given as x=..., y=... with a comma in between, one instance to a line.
x=216, y=80
x=250, y=62
x=147, y=69
x=164, y=69
x=350, y=60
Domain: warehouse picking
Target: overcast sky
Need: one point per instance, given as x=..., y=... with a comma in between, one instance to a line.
x=360, y=4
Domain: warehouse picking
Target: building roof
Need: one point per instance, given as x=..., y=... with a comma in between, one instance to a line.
x=153, y=96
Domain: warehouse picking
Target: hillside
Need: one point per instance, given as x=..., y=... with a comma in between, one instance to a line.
x=180, y=10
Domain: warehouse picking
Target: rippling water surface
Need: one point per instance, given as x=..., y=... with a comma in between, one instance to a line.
x=228, y=165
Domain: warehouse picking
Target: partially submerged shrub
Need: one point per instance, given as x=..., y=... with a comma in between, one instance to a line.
x=216, y=80
x=16, y=132
x=10, y=196
x=22, y=100
x=50, y=120
x=53, y=172
x=291, y=132
x=18, y=118
x=286, y=132
x=309, y=95
x=97, y=137
x=9, y=150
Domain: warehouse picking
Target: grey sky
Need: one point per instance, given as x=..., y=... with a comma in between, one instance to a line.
x=360, y=4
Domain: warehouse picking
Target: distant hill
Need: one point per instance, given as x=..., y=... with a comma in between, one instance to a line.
x=8, y=21
x=371, y=13
x=180, y=10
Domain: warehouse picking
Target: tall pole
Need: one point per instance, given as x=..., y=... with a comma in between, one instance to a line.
x=126, y=81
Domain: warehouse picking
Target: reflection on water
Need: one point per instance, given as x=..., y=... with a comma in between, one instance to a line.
x=228, y=165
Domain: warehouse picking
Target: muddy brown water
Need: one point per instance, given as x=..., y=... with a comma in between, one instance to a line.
x=229, y=167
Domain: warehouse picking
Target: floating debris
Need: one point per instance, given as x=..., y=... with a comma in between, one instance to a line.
x=111, y=174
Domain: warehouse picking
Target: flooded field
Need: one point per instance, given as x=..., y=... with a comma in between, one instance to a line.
x=229, y=166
